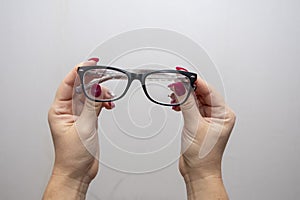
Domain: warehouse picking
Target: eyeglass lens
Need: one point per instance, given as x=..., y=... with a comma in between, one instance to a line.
x=162, y=86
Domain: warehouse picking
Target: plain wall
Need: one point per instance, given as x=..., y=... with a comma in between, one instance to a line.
x=255, y=45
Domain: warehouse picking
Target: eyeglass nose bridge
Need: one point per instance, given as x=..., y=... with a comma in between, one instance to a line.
x=141, y=77
x=137, y=76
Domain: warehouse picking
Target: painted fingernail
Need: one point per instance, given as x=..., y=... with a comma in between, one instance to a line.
x=181, y=69
x=172, y=96
x=94, y=59
x=176, y=108
x=112, y=104
x=96, y=90
x=178, y=88
x=173, y=101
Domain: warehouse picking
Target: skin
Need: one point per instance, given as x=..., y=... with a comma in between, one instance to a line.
x=208, y=122
x=75, y=167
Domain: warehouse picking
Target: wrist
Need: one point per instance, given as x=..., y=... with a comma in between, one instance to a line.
x=209, y=187
x=60, y=187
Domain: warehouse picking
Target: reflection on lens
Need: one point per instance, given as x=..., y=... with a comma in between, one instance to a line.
x=160, y=87
x=111, y=81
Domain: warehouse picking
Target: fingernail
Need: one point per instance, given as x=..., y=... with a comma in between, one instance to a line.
x=181, y=69
x=172, y=96
x=96, y=90
x=111, y=104
x=94, y=59
x=178, y=88
x=175, y=108
x=173, y=101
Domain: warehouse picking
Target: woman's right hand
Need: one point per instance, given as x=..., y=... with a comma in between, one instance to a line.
x=75, y=138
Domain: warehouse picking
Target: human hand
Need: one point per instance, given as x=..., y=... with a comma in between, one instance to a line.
x=74, y=132
x=208, y=122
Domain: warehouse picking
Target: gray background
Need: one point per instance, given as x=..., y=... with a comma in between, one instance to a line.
x=255, y=45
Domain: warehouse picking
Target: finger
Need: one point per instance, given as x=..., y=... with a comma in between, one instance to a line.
x=190, y=111
x=86, y=123
x=174, y=101
x=79, y=101
x=107, y=105
x=207, y=94
x=92, y=108
x=212, y=102
x=64, y=95
x=65, y=90
x=97, y=91
x=110, y=105
x=176, y=108
x=179, y=95
x=189, y=108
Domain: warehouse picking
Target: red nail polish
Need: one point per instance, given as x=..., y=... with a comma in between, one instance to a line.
x=94, y=59
x=176, y=108
x=173, y=101
x=181, y=69
x=96, y=90
x=178, y=88
x=172, y=96
x=113, y=105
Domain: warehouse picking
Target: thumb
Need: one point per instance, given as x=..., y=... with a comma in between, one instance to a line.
x=191, y=114
x=87, y=121
x=189, y=108
x=192, y=119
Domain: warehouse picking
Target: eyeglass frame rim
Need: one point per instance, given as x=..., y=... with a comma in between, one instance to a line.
x=141, y=77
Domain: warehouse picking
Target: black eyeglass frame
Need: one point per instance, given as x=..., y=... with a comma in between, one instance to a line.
x=141, y=77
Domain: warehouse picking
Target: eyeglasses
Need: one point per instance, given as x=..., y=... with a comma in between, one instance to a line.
x=160, y=86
